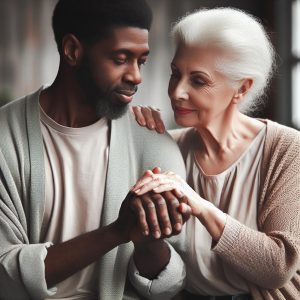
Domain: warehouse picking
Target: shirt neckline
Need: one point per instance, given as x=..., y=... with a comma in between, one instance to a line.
x=259, y=136
x=45, y=119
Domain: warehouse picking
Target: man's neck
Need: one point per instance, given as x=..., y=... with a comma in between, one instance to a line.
x=65, y=103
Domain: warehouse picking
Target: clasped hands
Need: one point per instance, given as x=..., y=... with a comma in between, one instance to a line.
x=155, y=207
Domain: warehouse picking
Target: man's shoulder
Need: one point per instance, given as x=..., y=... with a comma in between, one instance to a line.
x=150, y=148
x=13, y=106
x=145, y=135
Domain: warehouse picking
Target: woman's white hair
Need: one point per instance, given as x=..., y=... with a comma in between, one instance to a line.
x=249, y=52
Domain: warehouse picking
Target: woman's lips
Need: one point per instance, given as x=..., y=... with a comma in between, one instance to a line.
x=183, y=111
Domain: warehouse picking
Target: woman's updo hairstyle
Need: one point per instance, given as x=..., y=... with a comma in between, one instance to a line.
x=248, y=50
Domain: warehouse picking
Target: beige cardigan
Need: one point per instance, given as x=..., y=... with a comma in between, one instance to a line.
x=269, y=259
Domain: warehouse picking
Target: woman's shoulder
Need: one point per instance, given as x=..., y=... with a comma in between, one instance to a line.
x=282, y=137
x=281, y=159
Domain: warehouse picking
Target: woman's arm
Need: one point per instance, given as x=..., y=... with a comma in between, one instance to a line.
x=210, y=216
x=267, y=259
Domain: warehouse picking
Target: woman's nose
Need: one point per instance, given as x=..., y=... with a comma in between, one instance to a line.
x=178, y=90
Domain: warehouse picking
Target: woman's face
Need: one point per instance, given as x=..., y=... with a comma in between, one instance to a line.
x=199, y=94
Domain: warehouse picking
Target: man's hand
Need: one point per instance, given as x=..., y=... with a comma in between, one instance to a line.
x=150, y=213
x=158, y=214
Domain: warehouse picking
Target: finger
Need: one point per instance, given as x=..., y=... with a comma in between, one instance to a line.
x=151, y=216
x=175, y=215
x=139, y=115
x=147, y=113
x=137, y=207
x=158, y=184
x=178, y=193
x=165, y=187
x=162, y=213
x=147, y=177
x=185, y=210
x=156, y=170
x=160, y=127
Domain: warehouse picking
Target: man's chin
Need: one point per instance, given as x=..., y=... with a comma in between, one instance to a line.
x=113, y=111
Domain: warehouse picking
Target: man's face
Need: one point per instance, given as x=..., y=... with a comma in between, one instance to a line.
x=110, y=70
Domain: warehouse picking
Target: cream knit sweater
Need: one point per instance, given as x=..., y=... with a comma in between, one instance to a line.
x=269, y=259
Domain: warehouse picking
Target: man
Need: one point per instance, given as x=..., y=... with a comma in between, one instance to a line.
x=68, y=156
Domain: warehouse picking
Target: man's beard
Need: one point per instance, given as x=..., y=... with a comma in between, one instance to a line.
x=102, y=100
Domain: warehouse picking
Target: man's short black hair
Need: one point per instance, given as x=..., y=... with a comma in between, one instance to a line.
x=91, y=20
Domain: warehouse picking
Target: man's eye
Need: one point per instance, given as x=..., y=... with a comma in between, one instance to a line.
x=142, y=62
x=120, y=61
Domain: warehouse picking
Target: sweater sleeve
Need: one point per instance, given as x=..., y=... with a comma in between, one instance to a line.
x=22, y=274
x=168, y=282
x=270, y=257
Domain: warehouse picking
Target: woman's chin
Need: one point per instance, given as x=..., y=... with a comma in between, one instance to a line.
x=184, y=122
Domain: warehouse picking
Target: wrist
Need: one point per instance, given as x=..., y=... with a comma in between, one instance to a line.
x=213, y=220
x=149, y=244
x=117, y=233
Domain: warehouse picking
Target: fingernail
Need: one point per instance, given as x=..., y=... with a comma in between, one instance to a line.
x=168, y=231
x=136, y=191
x=177, y=226
x=145, y=232
x=157, y=234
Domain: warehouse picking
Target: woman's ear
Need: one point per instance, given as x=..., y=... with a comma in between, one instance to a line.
x=243, y=89
x=72, y=50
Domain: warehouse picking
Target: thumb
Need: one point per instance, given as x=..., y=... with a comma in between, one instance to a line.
x=185, y=210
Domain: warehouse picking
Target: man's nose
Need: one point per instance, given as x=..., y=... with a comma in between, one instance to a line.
x=133, y=74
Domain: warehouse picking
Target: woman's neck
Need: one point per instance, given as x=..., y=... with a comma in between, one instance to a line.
x=223, y=141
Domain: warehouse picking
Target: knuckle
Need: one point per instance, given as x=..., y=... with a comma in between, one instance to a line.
x=150, y=205
x=165, y=219
x=158, y=198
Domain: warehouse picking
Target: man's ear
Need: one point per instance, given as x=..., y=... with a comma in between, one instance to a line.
x=72, y=50
x=243, y=89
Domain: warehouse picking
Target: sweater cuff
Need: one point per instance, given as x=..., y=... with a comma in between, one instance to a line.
x=229, y=236
x=167, y=284
x=32, y=269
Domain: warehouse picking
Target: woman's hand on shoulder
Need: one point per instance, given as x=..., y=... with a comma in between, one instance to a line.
x=148, y=116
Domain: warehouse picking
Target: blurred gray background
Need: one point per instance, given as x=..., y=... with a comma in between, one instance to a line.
x=29, y=59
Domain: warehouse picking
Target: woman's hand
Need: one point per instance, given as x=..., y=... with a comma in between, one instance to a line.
x=149, y=116
x=165, y=182
x=210, y=216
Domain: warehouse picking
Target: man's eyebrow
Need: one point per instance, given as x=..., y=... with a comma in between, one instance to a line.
x=129, y=53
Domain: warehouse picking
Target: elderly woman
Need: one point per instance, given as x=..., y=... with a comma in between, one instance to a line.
x=243, y=174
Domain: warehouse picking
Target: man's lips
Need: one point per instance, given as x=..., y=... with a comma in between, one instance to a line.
x=183, y=111
x=125, y=95
x=128, y=93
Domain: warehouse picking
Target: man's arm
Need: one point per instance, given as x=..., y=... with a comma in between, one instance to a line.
x=65, y=259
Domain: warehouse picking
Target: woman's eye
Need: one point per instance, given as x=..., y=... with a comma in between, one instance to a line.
x=198, y=82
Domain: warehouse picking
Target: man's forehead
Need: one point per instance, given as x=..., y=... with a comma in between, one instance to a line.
x=128, y=37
